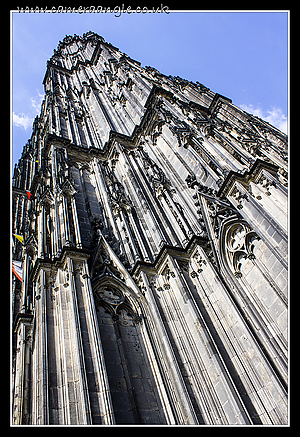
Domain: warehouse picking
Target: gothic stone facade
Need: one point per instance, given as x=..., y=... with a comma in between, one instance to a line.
x=155, y=251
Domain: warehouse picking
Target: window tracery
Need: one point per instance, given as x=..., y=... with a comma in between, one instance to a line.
x=239, y=244
x=116, y=304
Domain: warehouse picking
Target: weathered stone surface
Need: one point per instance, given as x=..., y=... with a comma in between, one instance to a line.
x=155, y=252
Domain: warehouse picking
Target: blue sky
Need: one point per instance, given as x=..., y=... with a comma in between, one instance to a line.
x=242, y=55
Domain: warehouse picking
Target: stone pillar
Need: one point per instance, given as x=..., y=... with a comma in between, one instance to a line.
x=96, y=380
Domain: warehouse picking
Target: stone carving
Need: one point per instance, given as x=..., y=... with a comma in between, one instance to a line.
x=116, y=189
x=266, y=184
x=158, y=180
x=200, y=262
x=114, y=302
x=239, y=240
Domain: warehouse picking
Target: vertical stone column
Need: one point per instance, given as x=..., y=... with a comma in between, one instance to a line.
x=76, y=224
x=22, y=377
x=182, y=412
x=212, y=392
x=261, y=389
x=40, y=355
x=96, y=380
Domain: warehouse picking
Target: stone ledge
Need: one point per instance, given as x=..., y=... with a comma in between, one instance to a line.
x=22, y=318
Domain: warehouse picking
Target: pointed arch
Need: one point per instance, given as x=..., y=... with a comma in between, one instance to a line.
x=112, y=293
x=237, y=242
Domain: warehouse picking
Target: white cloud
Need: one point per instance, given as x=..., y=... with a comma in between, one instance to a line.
x=25, y=120
x=36, y=102
x=274, y=116
x=22, y=120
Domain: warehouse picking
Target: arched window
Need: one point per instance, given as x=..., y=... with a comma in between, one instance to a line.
x=238, y=245
x=133, y=390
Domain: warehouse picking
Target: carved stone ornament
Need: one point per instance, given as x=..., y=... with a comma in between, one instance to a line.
x=117, y=305
x=239, y=242
x=200, y=262
x=238, y=196
x=68, y=189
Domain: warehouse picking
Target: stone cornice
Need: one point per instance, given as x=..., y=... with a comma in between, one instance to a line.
x=218, y=98
x=18, y=191
x=129, y=141
x=165, y=250
x=246, y=177
x=49, y=264
x=22, y=318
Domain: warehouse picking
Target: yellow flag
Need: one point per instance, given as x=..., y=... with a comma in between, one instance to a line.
x=19, y=237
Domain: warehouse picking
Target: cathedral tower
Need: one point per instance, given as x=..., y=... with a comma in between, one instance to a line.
x=153, y=213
